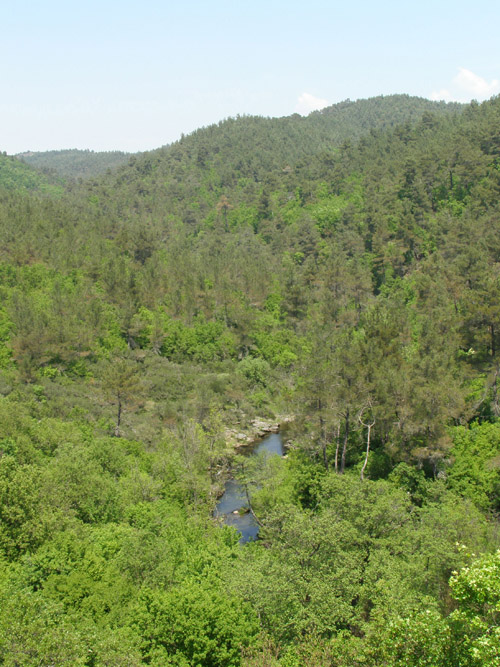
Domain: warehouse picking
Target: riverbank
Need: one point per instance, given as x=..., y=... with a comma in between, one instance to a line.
x=256, y=429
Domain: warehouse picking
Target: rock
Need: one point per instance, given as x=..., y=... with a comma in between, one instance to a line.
x=258, y=428
x=262, y=427
x=286, y=419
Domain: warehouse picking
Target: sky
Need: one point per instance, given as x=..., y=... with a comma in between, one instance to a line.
x=129, y=75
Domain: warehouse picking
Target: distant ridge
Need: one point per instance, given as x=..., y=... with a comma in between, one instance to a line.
x=74, y=163
x=245, y=155
x=287, y=138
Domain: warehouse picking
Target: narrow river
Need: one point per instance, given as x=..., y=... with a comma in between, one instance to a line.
x=234, y=497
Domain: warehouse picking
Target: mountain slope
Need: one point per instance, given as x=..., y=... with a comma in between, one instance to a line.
x=247, y=157
x=17, y=176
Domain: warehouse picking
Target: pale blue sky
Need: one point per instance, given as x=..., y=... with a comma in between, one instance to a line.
x=134, y=75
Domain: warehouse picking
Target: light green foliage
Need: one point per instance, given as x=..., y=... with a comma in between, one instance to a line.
x=194, y=626
x=276, y=344
x=420, y=640
x=14, y=175
x=244, y=215
x=475, y=472
x=203, y=341
x=366, y=543
x=313, y=570
x=5, y=329
x=477, y=620
x=21, y=526
x=255, y=369
x=327, y=213
x=75, y=482
x=35, y=630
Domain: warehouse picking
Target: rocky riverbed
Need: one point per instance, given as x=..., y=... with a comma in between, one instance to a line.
x=256, y=429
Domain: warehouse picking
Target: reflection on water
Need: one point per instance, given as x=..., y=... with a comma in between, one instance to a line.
x=234, y=496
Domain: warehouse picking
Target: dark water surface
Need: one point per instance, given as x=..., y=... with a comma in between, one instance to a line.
x=234, y=496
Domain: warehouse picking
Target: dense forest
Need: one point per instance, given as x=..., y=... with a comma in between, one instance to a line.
x=339, y=273
x=74, y=163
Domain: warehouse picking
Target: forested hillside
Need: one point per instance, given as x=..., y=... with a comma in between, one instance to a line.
x=73, y=163
x=15, y=176
x=340, y=272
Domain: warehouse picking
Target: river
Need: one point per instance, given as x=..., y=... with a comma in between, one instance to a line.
x=234, y=497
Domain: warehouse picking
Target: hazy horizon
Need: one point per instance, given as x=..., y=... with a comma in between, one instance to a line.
x=195, y=129
x=123, y=76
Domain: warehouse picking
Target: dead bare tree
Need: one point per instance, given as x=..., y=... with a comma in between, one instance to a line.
x=368, y=436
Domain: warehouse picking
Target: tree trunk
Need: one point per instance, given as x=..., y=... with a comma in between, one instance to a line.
x=344, y=446
x=118, y=419
x=322, y=434
x=247, y=494
x=369, y=426
x=337, y=447
x=494, y=387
